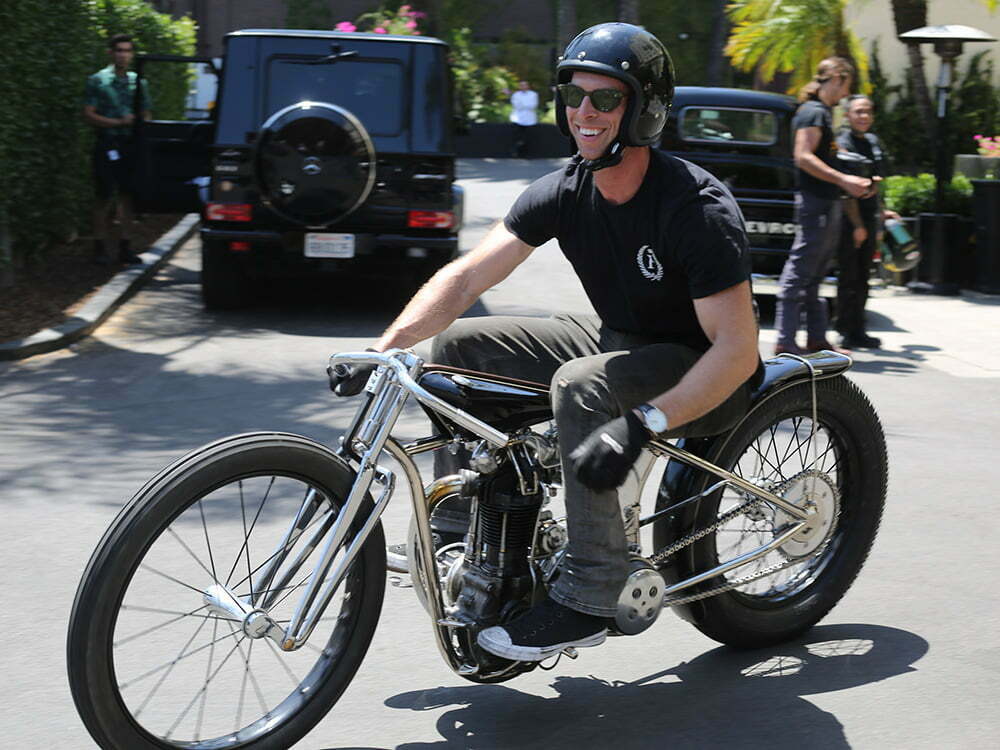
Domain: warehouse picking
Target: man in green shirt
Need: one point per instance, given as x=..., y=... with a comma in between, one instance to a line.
x=109, y=105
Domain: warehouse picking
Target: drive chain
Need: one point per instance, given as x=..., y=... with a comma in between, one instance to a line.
x=660, y=557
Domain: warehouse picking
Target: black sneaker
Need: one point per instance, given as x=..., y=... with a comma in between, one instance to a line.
x=543, y=631
x=395, y=558
x=861, y=341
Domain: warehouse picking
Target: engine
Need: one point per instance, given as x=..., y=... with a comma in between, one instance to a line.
x=496, y=576
x=494, y=580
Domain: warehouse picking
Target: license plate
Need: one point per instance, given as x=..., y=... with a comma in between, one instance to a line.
x=326, y=245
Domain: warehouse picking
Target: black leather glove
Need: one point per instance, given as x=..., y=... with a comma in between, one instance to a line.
x=602, y=461
x=349, y=380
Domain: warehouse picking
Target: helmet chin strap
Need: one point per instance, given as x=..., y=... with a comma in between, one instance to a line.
x=612, y=157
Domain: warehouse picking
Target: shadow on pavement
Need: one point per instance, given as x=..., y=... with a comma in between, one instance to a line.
x=723, y=698
x=904, y=361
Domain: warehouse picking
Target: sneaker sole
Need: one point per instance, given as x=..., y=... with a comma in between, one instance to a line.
x=533, y=653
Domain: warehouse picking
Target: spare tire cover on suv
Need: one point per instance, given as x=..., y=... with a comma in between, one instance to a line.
x=315, y=163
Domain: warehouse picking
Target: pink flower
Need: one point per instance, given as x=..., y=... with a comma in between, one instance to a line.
x=417, y=14
x=403, y=8
x=346, y=26
x=380, y=30
x=411, y=24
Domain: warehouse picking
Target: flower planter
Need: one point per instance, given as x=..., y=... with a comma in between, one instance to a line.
x=986, y=210
x=943, y=244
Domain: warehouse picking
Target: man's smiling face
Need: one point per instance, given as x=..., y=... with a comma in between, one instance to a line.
x=594, y=131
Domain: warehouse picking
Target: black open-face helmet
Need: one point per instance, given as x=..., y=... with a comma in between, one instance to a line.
x=635, y=57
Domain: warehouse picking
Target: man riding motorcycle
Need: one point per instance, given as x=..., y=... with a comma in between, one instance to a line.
x=661, y=250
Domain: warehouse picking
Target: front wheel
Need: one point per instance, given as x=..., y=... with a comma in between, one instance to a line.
x=152, y=665
x=839, y=471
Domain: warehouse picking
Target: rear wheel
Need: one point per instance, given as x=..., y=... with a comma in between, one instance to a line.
x=841, y=477
x=152, y=665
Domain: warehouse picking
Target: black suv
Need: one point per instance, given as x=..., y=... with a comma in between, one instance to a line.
x=325, y=152
x=744, y=138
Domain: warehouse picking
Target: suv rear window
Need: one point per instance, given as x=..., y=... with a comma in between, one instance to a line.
x=728, y=125
x=372, y=90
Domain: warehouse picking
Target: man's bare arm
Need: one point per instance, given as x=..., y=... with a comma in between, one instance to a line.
x=728, y=320
x=806, y=142
x=453, y=289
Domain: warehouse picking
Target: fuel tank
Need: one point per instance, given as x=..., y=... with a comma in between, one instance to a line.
x=505, y=403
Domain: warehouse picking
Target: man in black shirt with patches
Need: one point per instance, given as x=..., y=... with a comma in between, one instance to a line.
x=660, y=247
x=864, y=217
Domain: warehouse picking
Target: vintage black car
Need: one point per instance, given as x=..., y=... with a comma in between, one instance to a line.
x=744, y=138
x=325, y=152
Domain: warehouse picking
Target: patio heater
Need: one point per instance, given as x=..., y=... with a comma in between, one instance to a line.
x=939, y=273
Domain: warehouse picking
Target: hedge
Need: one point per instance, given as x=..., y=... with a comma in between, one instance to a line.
x=50, y=47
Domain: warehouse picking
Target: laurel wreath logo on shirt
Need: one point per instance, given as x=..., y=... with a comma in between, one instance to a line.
x=649, y=264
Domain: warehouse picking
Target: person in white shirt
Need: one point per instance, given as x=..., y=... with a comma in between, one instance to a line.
x=524, y=114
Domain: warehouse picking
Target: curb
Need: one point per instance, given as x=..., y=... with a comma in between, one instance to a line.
x=107, y=299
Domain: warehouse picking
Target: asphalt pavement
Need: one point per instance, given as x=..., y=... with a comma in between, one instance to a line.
x=909, y=659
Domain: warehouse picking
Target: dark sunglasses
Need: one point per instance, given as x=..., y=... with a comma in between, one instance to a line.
x=604, y=100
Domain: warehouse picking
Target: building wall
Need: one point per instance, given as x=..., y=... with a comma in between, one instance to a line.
x=873, y=20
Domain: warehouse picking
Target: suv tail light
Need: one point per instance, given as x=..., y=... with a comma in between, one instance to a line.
x=228, y=211
x=430, y=219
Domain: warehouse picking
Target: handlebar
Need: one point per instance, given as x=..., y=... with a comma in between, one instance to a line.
x=404, y=365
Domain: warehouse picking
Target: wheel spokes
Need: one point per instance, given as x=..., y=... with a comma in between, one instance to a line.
x=202, y=686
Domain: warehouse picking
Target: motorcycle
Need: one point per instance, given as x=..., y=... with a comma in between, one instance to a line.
x=232, y=600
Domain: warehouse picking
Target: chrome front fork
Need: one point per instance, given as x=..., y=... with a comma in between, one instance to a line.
x=366, y=441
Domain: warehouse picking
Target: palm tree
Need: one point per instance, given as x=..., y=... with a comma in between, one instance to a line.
x=792, y=36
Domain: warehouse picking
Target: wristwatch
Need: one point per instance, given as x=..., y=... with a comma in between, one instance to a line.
x=654, y=419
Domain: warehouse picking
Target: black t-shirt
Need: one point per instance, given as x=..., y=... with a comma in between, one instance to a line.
x=812, y=113
x=681, y=237
x=869, y=146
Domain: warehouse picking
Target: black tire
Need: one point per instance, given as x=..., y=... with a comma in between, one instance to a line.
x=225, y=284
x=851, y=455
x=126, y=705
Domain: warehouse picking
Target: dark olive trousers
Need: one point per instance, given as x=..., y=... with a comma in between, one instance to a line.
x=595, y=375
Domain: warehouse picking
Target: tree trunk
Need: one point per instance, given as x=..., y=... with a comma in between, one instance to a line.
x=628, y=11
x=6, y=255
x=909, y=15
x=565, y=23
x=717, y=43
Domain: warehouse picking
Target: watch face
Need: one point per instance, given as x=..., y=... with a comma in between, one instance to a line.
x=655, y=419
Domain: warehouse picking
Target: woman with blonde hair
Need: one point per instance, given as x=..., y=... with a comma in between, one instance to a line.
x=817, y=208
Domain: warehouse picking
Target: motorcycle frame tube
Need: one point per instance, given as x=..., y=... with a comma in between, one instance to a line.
x=425, y=545
x=736, y=562
x=672, y=451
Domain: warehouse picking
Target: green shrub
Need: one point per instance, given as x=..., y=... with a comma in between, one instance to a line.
x=483, y=90
x=912, y=195
x=49, y=49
